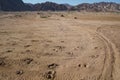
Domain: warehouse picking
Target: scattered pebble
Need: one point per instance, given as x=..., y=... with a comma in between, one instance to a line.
x=2, y=63
x=79, y=65
x=56, y=50
x=70, y=53
x=94, y=56
x=85, y=65
x=95, y=47
x=28, y=60
x=9, y=51
x=50, y=74
x=19, y=72
x=34, y=40
x=27, y=46
x=52, y=66
x=75, y=17
x=60, y=47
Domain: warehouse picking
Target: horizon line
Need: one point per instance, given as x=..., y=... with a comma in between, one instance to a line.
x=73, y=4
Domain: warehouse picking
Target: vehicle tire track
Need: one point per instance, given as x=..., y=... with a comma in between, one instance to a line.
x=109, y=60
x=108, y=67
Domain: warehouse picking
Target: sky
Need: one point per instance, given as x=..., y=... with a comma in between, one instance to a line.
x=72, y=2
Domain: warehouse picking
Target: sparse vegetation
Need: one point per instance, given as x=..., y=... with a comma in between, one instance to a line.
x=62, y=15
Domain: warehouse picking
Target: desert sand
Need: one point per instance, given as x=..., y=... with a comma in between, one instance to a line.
x=59, y=46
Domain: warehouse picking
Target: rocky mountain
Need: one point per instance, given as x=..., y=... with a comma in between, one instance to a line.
x=19, y=5
x=68, y=5
x=49, y=6
x=98, y=7
x=13, y=5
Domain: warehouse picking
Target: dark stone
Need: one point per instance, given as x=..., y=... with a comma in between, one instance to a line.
x=52, y=66
x=50, y=74
x=2, y=63
x=19, y=72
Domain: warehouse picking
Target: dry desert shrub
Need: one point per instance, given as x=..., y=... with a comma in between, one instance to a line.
x=44, y=15
x=18, y=15
x=75, y=17
x=62, y=15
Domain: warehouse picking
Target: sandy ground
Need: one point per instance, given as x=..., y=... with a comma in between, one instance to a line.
x=59, y=46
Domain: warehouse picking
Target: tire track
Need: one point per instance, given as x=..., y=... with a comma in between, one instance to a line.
x=108, y=68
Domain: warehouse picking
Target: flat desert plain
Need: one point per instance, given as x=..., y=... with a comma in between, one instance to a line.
x=59, y=46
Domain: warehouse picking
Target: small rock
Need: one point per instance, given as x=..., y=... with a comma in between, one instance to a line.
x=2, y=63
x=9, y=51
x=75, y=17
x=34, y=40
x=86, y=65
x=95, y=47
x=50, y=74
x=28, y=60
x=94, y=56
x=56, y=50
x=27, y=46
x=79, y=65
x=70, y=53
x=52, y=66
x=60, y=47
x=19, y=72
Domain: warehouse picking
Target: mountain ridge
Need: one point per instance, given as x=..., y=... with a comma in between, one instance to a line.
x=19, y=5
